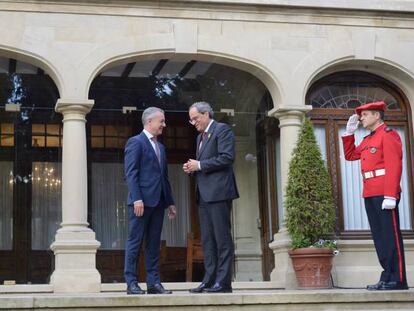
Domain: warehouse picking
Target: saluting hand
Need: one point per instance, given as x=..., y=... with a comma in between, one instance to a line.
x=352, y=125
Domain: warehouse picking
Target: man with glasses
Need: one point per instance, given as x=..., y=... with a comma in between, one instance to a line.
x=216, y=189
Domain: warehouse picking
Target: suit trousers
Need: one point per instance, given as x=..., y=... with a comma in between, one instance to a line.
x=217, y=241
x=386, y=233
x=147, y=227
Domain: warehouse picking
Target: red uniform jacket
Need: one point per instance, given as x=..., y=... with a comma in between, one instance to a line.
x=382, y=149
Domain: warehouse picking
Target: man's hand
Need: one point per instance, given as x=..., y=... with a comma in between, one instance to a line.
x=172, y=212
x=352, y=125
x=138, y=208
x=186, y=169
x=191, y=166
x=389, y=203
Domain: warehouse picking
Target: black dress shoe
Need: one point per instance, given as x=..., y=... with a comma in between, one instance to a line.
x=200, y=288
x=393, y=286
x=158, y=289
x=217, y=288
x=134, y=289
x=375, y=286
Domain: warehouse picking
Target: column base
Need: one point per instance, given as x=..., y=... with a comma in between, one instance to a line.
x=75, y=262
x=283, y=275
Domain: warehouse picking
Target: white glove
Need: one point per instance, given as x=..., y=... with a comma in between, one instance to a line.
x=389, y=203
x=352, y=125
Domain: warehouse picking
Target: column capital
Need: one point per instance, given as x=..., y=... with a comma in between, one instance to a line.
x=290, y=116
x=289, y=111
x=74, y=106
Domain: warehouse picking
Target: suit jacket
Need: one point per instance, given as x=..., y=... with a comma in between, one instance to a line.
x=147, y=179
x=216, y=180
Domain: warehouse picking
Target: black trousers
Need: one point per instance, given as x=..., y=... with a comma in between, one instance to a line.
x=386, y=233
x=218, y=247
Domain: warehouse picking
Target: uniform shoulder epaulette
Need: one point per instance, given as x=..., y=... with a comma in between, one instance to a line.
x=388, y=129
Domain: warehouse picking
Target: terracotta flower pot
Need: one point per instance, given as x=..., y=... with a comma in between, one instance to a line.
x=312, y=267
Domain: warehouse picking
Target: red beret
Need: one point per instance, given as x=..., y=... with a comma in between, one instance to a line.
x=371, y=106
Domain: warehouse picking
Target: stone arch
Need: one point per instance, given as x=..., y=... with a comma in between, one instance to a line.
x=246, y=140
x=385, y=69
x=35, y=60
x=384, y=74
x=258, y=70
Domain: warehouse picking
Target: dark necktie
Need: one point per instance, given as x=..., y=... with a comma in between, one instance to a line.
x=204, y=138
x=157, y=148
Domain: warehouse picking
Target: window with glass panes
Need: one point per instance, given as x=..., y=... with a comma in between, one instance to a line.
x=109, y=136
x=46, y=135
x=7, y=134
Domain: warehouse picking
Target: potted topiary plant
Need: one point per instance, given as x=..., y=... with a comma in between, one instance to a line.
x=310, y=213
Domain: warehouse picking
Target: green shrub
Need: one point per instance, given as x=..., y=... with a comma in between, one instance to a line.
x=310, y=210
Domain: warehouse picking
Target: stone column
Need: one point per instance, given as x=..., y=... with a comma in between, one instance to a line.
x=75, y=245
x=290, y=122
x=248, y=253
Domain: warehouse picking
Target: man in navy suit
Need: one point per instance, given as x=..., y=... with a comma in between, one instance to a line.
x=216, y=189
x=149, y=194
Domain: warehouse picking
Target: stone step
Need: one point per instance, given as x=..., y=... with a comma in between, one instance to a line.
x=240, y=299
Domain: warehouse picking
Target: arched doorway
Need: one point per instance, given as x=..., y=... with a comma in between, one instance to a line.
x=121, y=93
x=334, y=99
x=30, y=175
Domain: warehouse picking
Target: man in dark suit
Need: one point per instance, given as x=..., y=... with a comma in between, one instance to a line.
x=216, y=189
x=149, y=194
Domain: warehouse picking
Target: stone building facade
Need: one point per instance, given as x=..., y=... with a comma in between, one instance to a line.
x=87, y=70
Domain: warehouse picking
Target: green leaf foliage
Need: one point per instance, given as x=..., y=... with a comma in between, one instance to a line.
x=310, y=210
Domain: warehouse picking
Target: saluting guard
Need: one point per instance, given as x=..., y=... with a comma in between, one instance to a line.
x=380, y=153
